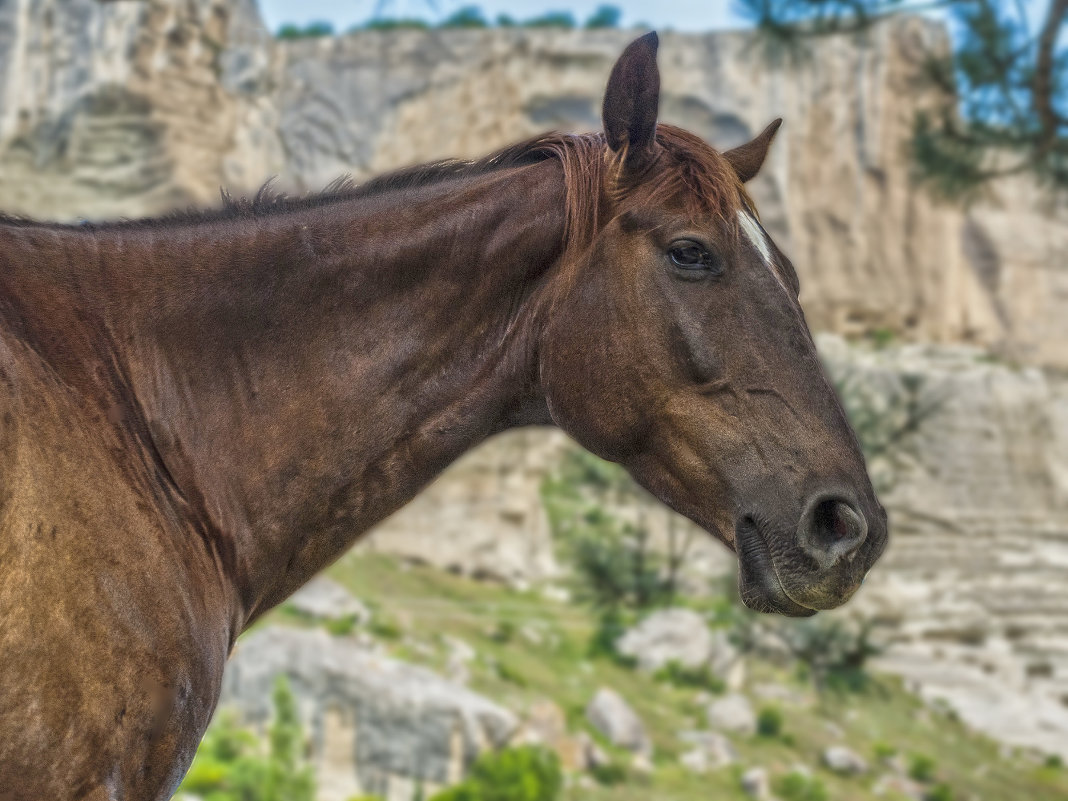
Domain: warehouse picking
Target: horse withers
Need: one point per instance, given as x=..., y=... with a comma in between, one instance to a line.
x=201, y=412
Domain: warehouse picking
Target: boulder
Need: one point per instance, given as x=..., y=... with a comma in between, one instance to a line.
x=376, y=725
x=756, y=784
x=676, y=635
x=614, y=718
x=732, y=713
x=324, y=598
x=844, y=760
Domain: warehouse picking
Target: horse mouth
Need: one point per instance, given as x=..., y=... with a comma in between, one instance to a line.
x=758, y=581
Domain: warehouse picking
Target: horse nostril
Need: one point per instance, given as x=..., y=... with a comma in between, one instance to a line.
x=831, y=529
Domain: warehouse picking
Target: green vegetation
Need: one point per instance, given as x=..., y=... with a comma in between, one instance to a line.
x=769, y=721
x=466, y=17
x=615, y=566
x=798, y=786
x=513, y=774
x=698, y=678
x=605, y=16
x=1003, y=83
x=313, y=30
x=230, y=764
x=922, y=768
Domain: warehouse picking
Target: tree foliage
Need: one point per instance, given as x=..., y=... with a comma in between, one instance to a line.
x=233, y=765
x=616, y=565
x=1003, y=84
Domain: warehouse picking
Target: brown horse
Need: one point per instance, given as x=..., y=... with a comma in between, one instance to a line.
x=199, y=413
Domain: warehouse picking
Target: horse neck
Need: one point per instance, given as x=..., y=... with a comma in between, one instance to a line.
x=304, y=374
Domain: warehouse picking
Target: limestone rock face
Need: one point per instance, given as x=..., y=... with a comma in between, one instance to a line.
x=377, y=726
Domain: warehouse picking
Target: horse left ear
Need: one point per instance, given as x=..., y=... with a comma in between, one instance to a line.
x=747, y=159
x=631, y=102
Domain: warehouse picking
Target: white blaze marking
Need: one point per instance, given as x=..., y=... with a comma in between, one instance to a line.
x=756, y=236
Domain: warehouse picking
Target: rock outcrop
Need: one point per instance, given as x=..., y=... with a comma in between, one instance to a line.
x=377, y=726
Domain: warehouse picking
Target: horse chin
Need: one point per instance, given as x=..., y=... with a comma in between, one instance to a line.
x=758, y=581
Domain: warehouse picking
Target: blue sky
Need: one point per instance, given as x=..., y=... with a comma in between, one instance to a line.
x=685, y=15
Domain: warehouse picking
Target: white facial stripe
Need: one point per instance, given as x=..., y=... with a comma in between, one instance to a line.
x=756, y=235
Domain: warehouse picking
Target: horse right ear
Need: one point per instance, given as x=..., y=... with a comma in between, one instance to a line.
x=631, y=102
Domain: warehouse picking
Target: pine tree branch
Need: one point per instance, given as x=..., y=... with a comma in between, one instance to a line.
x=1042, y=100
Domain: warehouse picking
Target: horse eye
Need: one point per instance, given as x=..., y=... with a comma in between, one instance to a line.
x=691, y=256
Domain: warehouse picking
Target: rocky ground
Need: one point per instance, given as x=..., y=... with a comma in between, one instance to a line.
x=445, y=667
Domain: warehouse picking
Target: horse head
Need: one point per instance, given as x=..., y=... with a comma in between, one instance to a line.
x=677, y=346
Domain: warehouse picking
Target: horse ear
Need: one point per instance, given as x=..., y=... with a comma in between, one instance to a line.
x=748, y=158
x=631, y=101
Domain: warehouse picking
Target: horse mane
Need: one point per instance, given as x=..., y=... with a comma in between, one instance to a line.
x=687, y=171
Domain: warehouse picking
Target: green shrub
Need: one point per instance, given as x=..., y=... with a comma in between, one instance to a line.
x=922, y=768
x=388, y=24
x=609, y=774
x=310, y=31
x=769, y=721
x=796, y=786
x=466, y=17
x=1054, y=762
x=230, y=764
x=884, y=751
x=384, y=629
x=342, y=626
x=940, y=792
x=701, y=678
x=552, y=19
x=503, y=632
x=509, y=674
x=610, y=627
x=528, y=773
x=605, y=17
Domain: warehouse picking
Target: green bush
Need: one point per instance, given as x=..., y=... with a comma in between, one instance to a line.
x=884, y=751
x=388, y=24
x=552, y=19
x=940, y=792
x=310, y=31
x=922, y=768
x=528, y=773
x=466, y=17
x=611, y=625
x=605, y=17
x=609, y=774
x=769, y=721
x=504, y=632
x=342, y=626
x=230, y=764
x=701, y=678
x=796, y=786
x=384, y=629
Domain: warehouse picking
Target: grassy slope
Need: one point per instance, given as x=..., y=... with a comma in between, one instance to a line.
x=516, y=671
